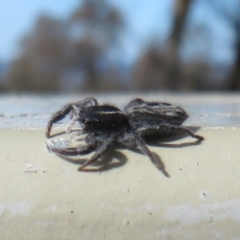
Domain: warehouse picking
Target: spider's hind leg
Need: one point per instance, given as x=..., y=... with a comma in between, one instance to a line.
x=141, y=144
x=185, y=130
x=167, y=128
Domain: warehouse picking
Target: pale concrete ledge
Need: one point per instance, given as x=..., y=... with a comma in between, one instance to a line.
x=45, y=197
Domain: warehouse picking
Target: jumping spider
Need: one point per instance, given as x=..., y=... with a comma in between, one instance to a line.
x=106, y=125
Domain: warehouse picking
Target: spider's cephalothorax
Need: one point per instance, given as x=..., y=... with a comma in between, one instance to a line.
x=106, y=125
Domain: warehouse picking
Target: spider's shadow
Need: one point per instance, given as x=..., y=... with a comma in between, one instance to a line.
x=104, y=164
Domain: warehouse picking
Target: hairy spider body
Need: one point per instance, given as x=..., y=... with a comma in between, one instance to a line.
x=106, y=125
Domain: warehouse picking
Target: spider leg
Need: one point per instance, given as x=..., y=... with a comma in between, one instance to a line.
x=87, y=102
x=100, y=152
x=66, y=110
x=165, y=128
x=76, y=134
x=185, y=130
x=140, y=143
x=83, y=150
x=57, y=117
x=69, y=129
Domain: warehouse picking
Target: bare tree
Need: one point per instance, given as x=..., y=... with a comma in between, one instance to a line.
x=39, y=66
x=229, y=10
x=96, y=26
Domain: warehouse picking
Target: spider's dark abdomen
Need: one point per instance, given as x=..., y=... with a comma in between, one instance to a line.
x=103, y=118
x=150, y=114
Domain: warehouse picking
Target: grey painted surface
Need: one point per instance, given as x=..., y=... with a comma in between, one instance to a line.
x=124, y=196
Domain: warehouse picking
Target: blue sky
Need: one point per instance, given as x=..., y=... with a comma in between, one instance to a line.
x=17, y=18
x=145, y=21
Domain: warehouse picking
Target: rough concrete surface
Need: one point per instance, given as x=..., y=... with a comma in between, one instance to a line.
x=124, y=196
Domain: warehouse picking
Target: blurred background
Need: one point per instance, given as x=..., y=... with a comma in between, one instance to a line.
x=111, y=45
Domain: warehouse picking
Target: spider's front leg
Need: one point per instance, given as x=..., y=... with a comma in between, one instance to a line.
x=83, y=150
x=87, y=102
x=66, y=110
x=57, y=117
x=100, y=152
x=91, y=144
